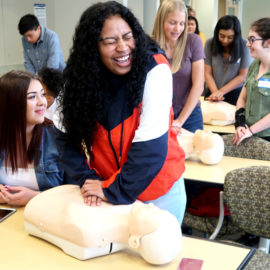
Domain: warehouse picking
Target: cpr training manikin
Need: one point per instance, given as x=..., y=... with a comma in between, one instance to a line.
x=203, y=145
x=60, y=216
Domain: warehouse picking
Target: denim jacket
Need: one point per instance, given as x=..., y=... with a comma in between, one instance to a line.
x=48, y=171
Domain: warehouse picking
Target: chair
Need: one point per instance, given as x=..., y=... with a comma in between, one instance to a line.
x=253, y=148
x=210, y=227
x=247, y=196
x=259, y=261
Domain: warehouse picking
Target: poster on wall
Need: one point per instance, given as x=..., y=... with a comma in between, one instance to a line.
x=40, y=13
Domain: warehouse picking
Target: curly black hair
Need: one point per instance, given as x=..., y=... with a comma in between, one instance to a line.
x=85, y=84
x=52, y=78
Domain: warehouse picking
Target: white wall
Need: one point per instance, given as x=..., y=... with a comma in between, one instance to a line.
x=11, y=11
x=63, y=15
x=253, y=10
x=249, y=11
x=136, y=6
x=66, y=16
x=207, y=15
x=150, y=11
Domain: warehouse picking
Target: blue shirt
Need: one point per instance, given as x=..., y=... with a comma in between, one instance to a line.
x=46, y=52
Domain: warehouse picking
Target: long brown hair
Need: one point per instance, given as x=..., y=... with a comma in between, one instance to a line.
x=13, y=105
x=165, y=8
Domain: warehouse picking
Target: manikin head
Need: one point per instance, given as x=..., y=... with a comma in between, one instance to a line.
x=154, y=233
x=204, y=145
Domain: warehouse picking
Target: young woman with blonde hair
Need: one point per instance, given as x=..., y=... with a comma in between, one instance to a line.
x=185, y=53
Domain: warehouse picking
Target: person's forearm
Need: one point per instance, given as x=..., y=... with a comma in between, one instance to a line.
x=261, y=125
x=231, y=85
x=210, y=82
x=29, y=67
x=241, y=101
x=240, y=104
x=53, y=61
x=190, y=104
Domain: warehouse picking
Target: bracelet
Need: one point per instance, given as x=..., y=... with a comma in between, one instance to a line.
x=250, y=131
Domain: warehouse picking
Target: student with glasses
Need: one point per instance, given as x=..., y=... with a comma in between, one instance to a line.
x=253, y=106
x=117, y=102
x=227, y=61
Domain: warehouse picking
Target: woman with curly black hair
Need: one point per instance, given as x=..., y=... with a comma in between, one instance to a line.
x=117, y=103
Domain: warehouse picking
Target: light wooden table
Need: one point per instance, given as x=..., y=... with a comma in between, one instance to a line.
x=196, y=170
x=220, y=129
x=22, y=251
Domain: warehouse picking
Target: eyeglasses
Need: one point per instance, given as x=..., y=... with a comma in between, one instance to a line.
x=112, y=41
x=251, y=40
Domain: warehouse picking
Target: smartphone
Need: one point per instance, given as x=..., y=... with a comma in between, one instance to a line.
x=6, y=212
x=190, y=264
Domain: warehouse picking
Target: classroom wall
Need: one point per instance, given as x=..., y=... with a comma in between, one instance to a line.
x=253, y=10
x=207, y=15
x=63, y=16
x=249, y=11
x=11, y=11
x=136, y=6
x=150, y=10
x=67, y=15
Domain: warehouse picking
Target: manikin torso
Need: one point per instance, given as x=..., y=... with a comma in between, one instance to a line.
x=60, y=216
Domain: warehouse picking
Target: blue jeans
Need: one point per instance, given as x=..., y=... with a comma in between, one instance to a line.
x=174, y=201
x=194, y=121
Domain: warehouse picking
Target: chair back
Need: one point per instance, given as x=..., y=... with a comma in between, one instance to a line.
x=247, y=196
x=253, y=148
